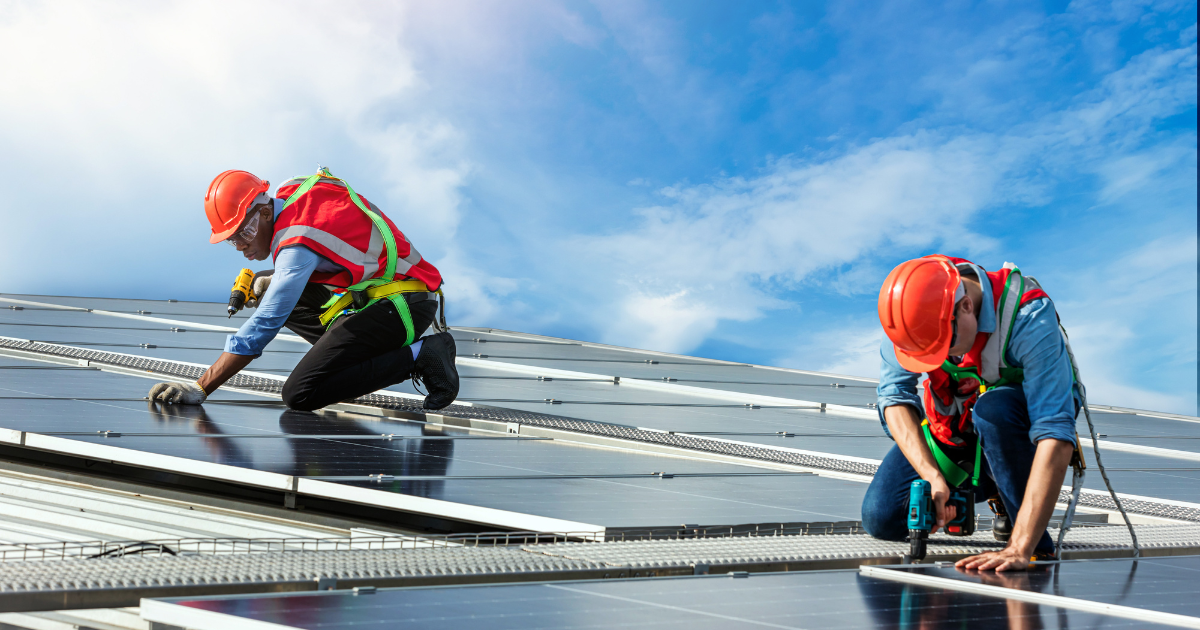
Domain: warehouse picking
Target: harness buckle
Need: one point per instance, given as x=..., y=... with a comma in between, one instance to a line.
x=360, y=299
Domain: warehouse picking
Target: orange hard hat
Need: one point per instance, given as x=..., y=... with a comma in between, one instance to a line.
x=916, y=308
x=229, y=196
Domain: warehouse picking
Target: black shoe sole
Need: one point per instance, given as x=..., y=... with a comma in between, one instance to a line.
x=435, y=364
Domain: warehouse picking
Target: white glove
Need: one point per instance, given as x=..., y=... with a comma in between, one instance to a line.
x=258, y=286
x=182, y=393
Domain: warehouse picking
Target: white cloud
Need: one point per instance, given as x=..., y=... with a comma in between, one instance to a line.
x=719, y=251
x=1136, y=318
x=116, y=117
x=852, y=349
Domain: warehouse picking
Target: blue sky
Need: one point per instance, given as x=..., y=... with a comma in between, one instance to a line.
x=726, y=179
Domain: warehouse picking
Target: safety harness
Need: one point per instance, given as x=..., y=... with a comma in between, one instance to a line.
x=951, y=395
x=363, y=294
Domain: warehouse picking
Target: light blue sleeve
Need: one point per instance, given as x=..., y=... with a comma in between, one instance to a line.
x=897, y=386
x=1037, y=346
x=293, y=266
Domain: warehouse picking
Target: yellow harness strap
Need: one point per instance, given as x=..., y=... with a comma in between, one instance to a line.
x=376, y=292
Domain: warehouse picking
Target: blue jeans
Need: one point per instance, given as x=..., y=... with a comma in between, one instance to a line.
x=1002, y=422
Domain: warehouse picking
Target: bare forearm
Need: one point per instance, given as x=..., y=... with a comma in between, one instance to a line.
x=1041, y=494
x=222, y=370
x=905, y=427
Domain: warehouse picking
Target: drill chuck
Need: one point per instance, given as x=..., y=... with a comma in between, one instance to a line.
x=236, y=302
x=242, y=291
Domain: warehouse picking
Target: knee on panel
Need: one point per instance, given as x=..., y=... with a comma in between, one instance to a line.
x=882, y=518
x=297, y=397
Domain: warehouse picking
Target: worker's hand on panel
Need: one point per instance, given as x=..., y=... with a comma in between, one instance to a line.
x=258, y=287
x=1008, y=559
x=178, y=393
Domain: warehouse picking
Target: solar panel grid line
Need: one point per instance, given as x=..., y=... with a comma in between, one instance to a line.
x=1045, y=599
x=384, y=437
x=1146, y=414
x=146, y=318
x=151, y=346
x=497, y=331
x=246, y=381
x=1144, y=450
x=670, y=388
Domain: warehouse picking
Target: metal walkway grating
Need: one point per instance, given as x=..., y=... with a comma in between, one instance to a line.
x=120, y=581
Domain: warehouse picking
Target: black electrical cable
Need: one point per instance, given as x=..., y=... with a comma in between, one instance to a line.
x=135, y=548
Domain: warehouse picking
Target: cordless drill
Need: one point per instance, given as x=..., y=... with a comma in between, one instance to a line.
x=242, y=291
x=922, y=518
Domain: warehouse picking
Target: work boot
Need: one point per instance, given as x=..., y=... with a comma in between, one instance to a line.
x=435, y=368
x=1001, y=524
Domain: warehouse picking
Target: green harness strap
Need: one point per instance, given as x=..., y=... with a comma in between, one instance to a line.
x=389, y=246
x=954, y=474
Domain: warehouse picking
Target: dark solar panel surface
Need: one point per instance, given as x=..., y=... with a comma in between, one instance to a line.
x=827, y=599
x=27, y=402
x=1160, y=584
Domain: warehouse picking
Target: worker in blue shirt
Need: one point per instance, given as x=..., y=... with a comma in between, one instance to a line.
x=345, y=279
x=970, y=330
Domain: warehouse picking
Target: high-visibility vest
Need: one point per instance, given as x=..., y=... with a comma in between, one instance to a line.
x=323, y=213
x=952, y=389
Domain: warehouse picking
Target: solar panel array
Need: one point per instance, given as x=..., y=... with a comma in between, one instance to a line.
x=579, y=435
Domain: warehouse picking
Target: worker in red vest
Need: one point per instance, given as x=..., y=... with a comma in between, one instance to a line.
x=999, y=406
x=345, y=279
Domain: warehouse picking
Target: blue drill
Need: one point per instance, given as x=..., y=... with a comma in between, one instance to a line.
x=922, y=518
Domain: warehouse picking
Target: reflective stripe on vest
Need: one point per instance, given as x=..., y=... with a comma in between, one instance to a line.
x=368, y=260
x=993, y=358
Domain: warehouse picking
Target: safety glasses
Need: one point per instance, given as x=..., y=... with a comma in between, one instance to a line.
x=245, y=235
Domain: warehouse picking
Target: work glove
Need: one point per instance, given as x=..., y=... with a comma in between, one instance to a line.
x=181, y=393
x=258, y=286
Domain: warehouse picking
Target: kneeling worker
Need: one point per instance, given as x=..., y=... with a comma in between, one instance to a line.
x=999, y=408
x=324, y=236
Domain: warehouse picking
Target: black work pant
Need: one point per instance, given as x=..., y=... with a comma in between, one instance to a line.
x=360, y=353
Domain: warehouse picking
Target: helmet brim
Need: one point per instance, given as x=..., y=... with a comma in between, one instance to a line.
x=217, y=237
x=922, y=363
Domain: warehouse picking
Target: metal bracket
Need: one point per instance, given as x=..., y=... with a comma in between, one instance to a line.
x=326, y=583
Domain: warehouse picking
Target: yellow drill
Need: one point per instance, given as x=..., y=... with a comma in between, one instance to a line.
x=242, y=291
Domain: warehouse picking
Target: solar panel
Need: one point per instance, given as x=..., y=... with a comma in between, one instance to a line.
x=826, y=599
x=87, y=403
x=1165, y=584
